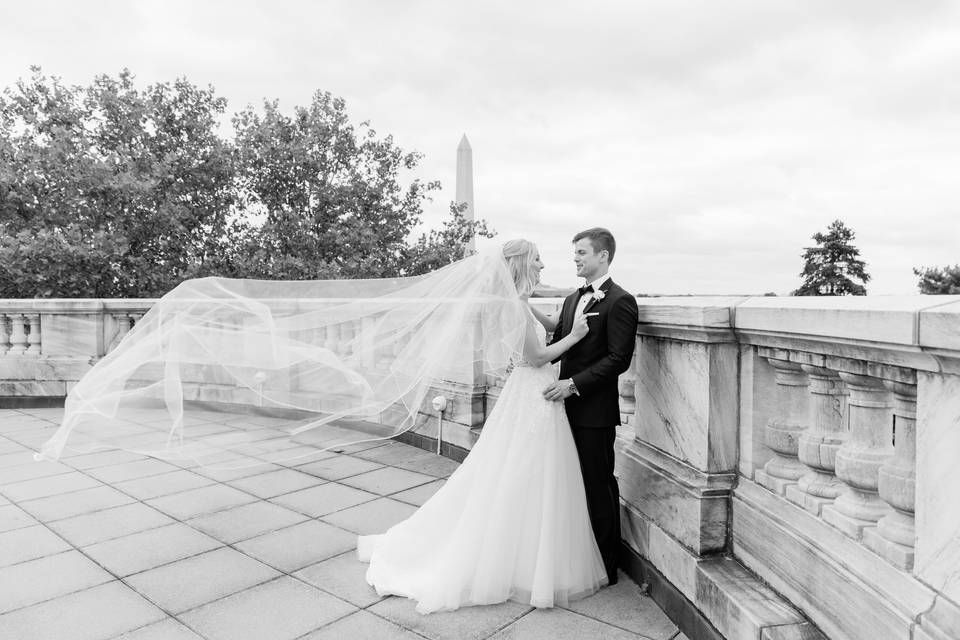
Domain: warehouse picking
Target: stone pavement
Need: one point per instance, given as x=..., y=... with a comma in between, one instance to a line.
x=113, y=545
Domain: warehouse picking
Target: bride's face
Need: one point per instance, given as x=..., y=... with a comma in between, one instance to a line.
x=537, y=267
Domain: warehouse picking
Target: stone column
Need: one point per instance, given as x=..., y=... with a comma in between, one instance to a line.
x=894, y=536
x=4, y=335
x=18, y=334
x=628, y=398
x=782, y=434
x=33, y=338
x=819, y=444
x=860, y=457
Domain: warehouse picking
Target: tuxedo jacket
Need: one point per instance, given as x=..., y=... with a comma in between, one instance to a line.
x=596, y=362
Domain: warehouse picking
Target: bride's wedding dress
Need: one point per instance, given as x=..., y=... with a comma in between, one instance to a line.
x=511, y=523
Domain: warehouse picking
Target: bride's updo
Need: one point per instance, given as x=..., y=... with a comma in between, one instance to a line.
x=520, y=256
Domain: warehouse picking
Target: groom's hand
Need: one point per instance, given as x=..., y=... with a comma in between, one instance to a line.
x=559, y=390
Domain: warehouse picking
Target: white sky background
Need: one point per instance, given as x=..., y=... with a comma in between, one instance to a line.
x=712, y=137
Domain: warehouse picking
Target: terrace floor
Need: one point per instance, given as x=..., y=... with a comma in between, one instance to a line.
x=113, y=545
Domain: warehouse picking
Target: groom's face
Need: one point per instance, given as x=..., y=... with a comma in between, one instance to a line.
x=589, y=263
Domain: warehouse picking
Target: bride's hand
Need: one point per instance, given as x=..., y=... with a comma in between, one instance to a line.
x=580, y=328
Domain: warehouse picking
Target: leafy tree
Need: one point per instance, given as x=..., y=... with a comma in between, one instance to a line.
x=112, y=191
x=939, y=280
x=107, y=190
x=831, y=267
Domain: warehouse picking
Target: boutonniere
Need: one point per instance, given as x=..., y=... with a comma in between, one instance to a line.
x=599, y=295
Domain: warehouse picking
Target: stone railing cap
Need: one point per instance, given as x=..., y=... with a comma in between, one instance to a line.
x=690, y=311
x=940, y=326
x=885, y=319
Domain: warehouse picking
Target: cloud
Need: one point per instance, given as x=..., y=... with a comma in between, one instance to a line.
x=713, y=138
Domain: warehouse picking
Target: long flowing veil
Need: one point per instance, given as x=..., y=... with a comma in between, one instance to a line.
x=205, y=374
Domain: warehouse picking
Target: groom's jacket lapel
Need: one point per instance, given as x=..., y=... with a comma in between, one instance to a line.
x=605, y=287
x=569, y=309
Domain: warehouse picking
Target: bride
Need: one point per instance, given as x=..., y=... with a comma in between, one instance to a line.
x=217, y=368
x=511, y=523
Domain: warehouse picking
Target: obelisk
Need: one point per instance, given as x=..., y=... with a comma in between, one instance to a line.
x=465, y=182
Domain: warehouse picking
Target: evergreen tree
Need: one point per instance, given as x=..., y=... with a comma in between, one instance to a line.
x=939, y=280
x=831, y=267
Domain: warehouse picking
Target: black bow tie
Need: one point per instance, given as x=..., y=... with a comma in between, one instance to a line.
x=585, y=290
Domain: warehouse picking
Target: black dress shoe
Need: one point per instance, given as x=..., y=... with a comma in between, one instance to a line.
x=612, y=578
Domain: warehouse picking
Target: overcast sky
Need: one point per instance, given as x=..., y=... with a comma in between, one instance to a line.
x=712, y=137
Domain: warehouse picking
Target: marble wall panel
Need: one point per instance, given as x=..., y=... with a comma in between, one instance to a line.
x=940, y=325
x=682, y=502
x=757, y=407
x=687, y=402
x=668, y=556
x=937, y=559
x=72, y=335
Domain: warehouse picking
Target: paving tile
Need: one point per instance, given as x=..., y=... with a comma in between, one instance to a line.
x=391, y=453
x=283, y=609
x=96, y=459
x=324, y=499
x=30, y=470
x=189, y=583
x=17, y=457
x=92, y=614
x=343, y=576
x=195, y=502
x=49, y=486
x=435, y=465
x=148, y=549
x=13, y=517
x=163, y=484
x=275, y=483
x=247, y=521
x=339, y=467
x=371, y=517
x=560, y=624
x=90, y=528
x=299, y=546
x=226, y=475
x=28, y=543
x=680, y=636
x=9, y=446
x=169, y=629
x=41, y=579
x=75, y=503
x=362, y=624
x=387, y=480
x=129, y=470
x=418, y=495
x=468, y=623
x=624, y=605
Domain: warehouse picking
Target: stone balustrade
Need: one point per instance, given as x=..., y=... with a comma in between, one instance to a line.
x=788, y=466
x=811, y=441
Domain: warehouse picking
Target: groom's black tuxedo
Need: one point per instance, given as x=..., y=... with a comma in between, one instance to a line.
x=595, y=364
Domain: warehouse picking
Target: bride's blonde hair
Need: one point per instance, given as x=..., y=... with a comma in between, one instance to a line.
x=520, y=256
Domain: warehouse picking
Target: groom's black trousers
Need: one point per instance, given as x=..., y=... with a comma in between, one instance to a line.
x=595, y=449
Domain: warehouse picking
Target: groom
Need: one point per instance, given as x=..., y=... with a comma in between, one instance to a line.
x=588, y=380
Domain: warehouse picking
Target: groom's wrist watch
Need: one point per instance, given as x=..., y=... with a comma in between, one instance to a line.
x=572, y=388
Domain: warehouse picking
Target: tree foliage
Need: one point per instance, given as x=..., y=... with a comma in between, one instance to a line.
x=939, y=280
x=832, y=267
x=114, y=191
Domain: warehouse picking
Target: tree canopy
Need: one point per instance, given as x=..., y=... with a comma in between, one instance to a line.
x=111, y=190
x=939, y=280
x=832, y=267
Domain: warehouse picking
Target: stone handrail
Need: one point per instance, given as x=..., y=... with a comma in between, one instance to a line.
x=814, y=440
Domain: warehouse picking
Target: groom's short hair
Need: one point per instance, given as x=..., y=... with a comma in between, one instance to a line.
x=600, y=239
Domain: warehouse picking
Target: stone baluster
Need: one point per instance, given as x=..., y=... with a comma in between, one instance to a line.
x=628, y=398
x=18, y=334
x=818, y=445
x=4, y=335
x=34, y=340
x=332, y=337
x=859, y=459
x=894, y=536
x=124, y=324
x=782, y=433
